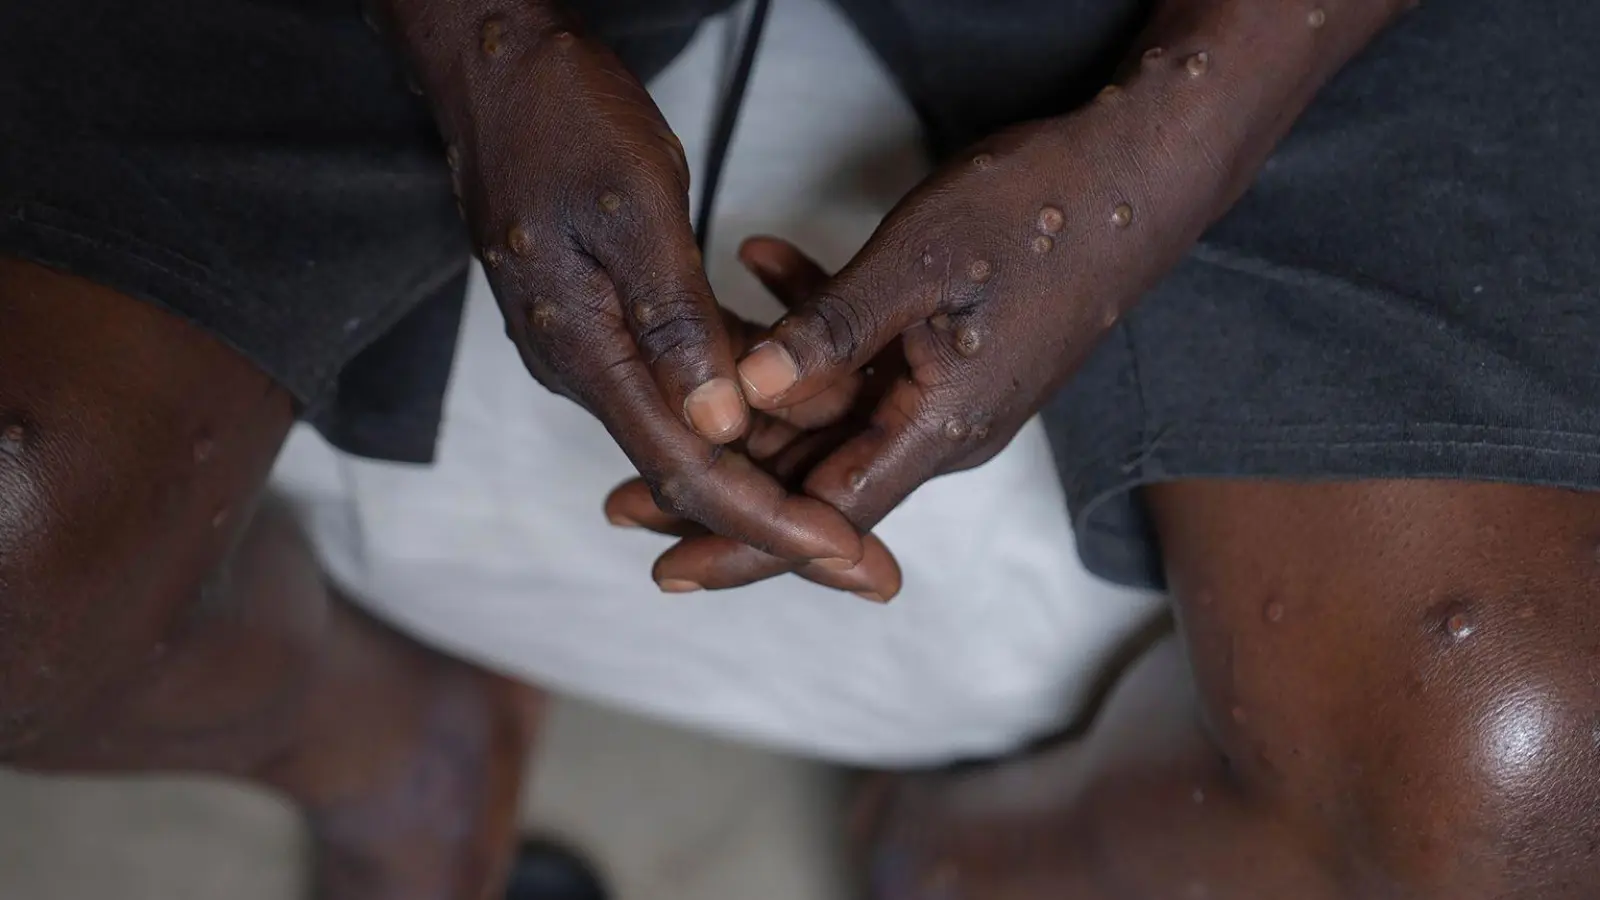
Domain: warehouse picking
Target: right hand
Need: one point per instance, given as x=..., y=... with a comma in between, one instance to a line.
x=576, y=192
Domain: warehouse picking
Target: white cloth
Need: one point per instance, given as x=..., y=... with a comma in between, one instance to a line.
x=500, y=552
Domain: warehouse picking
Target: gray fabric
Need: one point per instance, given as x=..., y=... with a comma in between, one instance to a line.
x=260, y=167
x=1412, y=289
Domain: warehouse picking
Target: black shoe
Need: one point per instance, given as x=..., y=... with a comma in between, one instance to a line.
x=549, y=871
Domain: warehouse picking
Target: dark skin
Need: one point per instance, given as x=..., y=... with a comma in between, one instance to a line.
x=576, y=192
x=1395, y=691
x=151, y=619
x=999, y=273
x=786, y=442
x=1392, y=696
x=1389, y=688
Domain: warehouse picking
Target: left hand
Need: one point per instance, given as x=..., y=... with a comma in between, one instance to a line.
x=997, y=276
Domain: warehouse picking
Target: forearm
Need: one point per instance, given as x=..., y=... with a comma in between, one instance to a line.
x=1208, y=91
x=1237, y=73
x=453, y=45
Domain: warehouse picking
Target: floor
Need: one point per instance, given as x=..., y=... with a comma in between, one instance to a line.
x=671, y=816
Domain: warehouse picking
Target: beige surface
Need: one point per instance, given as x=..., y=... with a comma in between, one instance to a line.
x=672, y=816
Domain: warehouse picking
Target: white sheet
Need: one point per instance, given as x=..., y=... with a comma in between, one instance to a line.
x=500, y=553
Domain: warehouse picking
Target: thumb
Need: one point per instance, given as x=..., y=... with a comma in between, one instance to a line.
x=841, y=325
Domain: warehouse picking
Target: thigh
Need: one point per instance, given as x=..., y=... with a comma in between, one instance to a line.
x=1403, y=671
x=132, y=446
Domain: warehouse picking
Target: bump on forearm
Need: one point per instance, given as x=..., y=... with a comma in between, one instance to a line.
x=1234, y=75
x=442, y=38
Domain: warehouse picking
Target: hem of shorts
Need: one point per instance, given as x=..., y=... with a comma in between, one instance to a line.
x=60, y=240
x=1313, y=453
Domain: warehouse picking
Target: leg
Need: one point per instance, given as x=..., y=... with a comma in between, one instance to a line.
x=1392, y=696
x=150, y=619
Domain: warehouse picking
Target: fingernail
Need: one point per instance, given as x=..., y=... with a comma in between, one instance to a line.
x=835, y=563
x=622, y=521
x=875, y=598
x=678, y=586
x=769, y=371
x=715, y=408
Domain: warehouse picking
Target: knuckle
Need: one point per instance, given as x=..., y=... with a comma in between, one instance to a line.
x=670, y=328
x=676, y=495
x=685, y=491
x=842, y=327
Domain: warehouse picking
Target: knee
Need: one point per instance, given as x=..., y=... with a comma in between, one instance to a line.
x=96, y=565
x=1474, y=774
x=129, y=442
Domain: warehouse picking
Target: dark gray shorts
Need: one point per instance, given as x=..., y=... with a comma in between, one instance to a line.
x=1411, y=290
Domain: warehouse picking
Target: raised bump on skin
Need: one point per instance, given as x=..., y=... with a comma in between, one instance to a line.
x=492, y=257
x=644, y=314
x=541, y=314
x=983, y=160
x=857, y=479
x=1051, y=220
x=13, y=434
x=968, y=341
x=956, y=430
x=980, y=270
x=1317, y=18
x=940, y=322
x=610, y=202
x=1109, y=91
x=204, y=449
x=979, y=432
x=927, y=260
x=452, y=155
x=518, y=239
x=1043, y=244
x=494, y=33
x=1198, y=64
x=1122, y=215
x=1153, y=54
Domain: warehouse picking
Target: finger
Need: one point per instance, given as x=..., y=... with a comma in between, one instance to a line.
x=768, y=437
x=841, y=327
x=631, y=505
x=693, y=480
x=783, y=269
x=793, y=277
x=646, y=247
x=716, y=563
x=826, y=408
x=913, y=437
